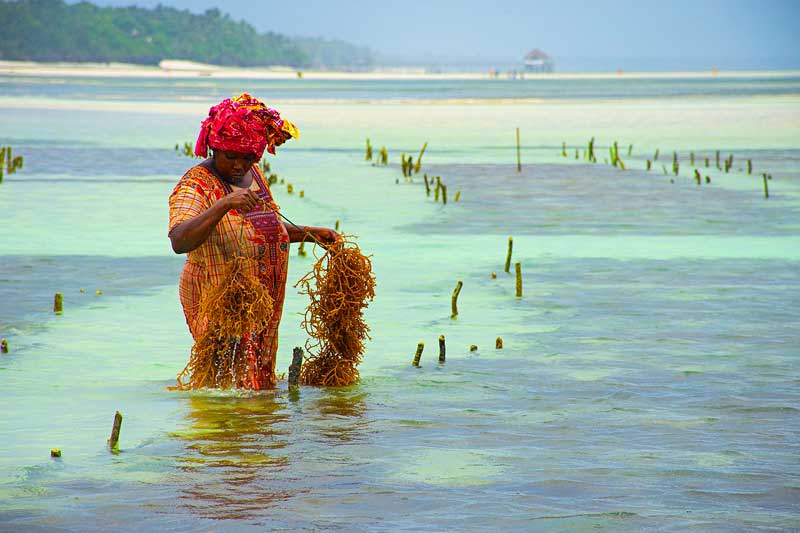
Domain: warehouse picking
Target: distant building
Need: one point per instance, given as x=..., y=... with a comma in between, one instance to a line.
x=538, y=61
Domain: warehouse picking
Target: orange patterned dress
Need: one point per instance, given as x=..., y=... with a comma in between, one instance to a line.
x=265, y=239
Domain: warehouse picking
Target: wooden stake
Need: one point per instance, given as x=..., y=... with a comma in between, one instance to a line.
x=508, y=256
x=419, y=159
x=749, y=166
x=113, y=441
x=418, y=355
x=442, y=350
x=649, y=165
x=766, y=188
x=457, y=196
x=444, y=194
x=58, y=303
x=563, y=148
x=498, y=343
x=519, y=160
x=55, y=453
x=427, y=185
x=3, y=346
x=518, y=268
x=336, y=228
x=697, y=177
x=295, y=367
x=454, y=299
x=473, y=347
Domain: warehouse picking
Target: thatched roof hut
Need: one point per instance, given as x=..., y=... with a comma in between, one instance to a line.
x=538, y=61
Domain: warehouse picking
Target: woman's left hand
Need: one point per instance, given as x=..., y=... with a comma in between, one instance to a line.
x=325, y=235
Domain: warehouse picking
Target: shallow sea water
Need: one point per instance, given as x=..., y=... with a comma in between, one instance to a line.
x=649, y=376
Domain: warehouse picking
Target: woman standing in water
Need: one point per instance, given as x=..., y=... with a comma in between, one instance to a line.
x=223, y=208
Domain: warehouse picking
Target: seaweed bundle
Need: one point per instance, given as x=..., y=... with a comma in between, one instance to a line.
x=340, y=285
x=237, y=307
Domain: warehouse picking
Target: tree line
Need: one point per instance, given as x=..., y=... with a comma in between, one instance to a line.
x=52, y=30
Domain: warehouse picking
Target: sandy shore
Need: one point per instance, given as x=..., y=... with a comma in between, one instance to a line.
x=187, y=69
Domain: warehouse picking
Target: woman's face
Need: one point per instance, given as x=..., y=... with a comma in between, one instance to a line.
x=233, y=165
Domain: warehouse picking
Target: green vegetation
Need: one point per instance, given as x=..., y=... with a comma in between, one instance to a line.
x=51, y=30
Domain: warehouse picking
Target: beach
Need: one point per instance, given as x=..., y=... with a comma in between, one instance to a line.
x=648, y=375
x=189, y=69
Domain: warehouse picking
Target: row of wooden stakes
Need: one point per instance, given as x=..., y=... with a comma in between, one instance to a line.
x=498, y=345
x=616, y=161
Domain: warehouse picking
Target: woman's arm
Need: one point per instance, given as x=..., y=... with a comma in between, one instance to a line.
x=190, y=234
x=323, y=235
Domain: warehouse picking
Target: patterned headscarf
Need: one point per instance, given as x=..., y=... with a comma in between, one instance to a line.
x=243, y=124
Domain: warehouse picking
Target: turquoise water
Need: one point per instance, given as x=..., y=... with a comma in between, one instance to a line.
x=649, y=375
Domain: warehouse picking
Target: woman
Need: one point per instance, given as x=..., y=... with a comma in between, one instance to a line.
x=223, y=207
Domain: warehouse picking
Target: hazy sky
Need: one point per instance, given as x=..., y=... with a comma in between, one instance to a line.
x=628, y=34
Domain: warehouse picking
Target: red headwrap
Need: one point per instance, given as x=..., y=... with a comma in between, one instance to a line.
x=243, y=124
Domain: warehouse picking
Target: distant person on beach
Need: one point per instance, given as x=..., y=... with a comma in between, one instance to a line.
x=223, y=207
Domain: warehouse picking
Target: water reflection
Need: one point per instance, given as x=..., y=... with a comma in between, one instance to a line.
x=235, y=453
x=246, y=454
x=337, y=415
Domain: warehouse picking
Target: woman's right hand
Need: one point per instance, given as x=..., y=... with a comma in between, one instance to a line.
x=242, y=200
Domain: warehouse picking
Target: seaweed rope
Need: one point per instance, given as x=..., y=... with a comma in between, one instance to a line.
x=340, y=286
x=236, y=307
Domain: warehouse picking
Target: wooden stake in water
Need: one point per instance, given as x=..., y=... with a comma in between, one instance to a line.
x=498, y=343
x=691, y=158
x=592, y=157
x=418, y=355
x=113, y=441
x=473, y=347
x=369, y=151
x=419, y=158
x=655, y=156
x=518, y=268
x=697, y=177
x=444, y=194
x=766, y=188
x=336, y=228
x=454, y=299
x=3, y=346
x=718, y=167
x=519, y=160
x=749, y=166
x=442, y=350
x=427, y=185
x=563, y=149
x=457, y=196
x=649, y=165
x=295, y=367
x=58, y=303
x=630, y=149
x=508, y=256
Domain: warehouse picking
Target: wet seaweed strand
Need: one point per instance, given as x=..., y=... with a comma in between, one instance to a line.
x=238, y=306
x=340, y=286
